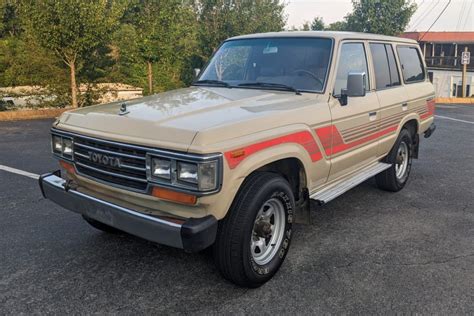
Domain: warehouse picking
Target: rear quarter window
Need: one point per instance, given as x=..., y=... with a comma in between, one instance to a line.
x=411, y=63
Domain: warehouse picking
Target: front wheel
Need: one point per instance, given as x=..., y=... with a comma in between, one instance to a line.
x=394, y=178
x=254, y=238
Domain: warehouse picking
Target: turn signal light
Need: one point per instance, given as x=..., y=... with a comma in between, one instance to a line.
x=67, y=166
x=174, y=196
x=237, y=153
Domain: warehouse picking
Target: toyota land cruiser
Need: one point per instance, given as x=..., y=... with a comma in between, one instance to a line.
x=273, y=121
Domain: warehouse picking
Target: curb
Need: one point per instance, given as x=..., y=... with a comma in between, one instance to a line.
x=32, y=114
x=455, y=100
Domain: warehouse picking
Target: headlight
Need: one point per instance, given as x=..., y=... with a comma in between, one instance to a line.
x=198, y=174
x=188, y=172
x=161, y=168
x=62, y=146
x=57, y=145
x=67, y=147
x=207, y=175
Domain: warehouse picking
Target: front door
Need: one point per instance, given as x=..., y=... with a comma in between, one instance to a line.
x=351, y=140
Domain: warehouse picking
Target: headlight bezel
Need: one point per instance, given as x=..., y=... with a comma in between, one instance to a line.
x=178, y=184
x=63, y=140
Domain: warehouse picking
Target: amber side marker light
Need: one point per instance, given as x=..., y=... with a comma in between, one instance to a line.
x=237, y=153
x=68, y=167
x=174, y=196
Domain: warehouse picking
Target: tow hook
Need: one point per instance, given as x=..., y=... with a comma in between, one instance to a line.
x=69, y=184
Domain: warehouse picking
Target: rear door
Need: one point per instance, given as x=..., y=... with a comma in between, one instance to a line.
x=418, y=88
x=348, y=141
x=390, y=93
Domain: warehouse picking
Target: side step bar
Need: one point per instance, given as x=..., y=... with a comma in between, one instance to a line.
x=332, y=192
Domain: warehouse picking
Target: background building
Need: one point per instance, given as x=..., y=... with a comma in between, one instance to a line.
x=442, y=52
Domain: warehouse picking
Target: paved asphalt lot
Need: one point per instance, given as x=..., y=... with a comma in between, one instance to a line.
x=366, y=252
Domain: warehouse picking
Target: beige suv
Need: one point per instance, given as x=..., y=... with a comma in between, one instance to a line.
x=273, y=121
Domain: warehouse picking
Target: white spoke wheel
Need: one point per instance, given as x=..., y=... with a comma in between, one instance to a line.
x=253, y=239
x=401, y=163
x=268, y=231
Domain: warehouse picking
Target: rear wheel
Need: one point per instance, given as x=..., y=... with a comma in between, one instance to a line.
x=101, y=226
x=394, y=178
x=254, y=238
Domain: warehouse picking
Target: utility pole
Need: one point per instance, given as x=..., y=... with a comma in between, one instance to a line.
x=465, y=59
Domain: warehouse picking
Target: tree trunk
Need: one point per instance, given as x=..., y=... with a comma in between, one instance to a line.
x=72, y=67
x=150, y=77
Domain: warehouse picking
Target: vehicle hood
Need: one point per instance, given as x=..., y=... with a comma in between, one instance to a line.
x=172, y=119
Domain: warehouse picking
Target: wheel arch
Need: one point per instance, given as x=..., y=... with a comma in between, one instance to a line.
x=413, y=127
x=294, y=171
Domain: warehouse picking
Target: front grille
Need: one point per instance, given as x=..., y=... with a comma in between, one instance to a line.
x=93, y=158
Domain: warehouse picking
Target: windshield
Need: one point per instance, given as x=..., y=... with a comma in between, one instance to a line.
x=299, y=63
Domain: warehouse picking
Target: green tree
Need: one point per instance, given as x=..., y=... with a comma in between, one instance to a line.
x=221, y=19
x=389, y=17
x=337, y=26
x=306, y=26
x=10, y=24
x=161, y=32
x=72, y=29
x=318, y=24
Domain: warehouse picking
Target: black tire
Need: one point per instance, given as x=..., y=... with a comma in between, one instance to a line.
x=101, y=226
x=232, y=250
x=388, y=179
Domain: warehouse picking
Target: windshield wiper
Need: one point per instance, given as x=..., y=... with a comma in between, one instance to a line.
x=212, y=82
x=270, y=85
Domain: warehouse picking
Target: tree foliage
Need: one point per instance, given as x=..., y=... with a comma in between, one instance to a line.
x=153, y=44
x=157, y=30
x=72, y=29
x=318, y=24
x=221, y=19
x=389, y=17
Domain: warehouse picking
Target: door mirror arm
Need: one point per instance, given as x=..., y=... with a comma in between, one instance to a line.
x=343, y=97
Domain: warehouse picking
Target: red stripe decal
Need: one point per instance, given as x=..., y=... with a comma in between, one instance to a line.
x=431, y=109
x=337, y=148
x=304, y=138
x=333, y=143
x=329, y=136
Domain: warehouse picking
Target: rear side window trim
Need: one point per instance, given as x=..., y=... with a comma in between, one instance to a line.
x=420, y=58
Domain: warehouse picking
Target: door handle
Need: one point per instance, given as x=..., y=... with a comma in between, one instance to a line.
x=405, y=104
x=372, y=116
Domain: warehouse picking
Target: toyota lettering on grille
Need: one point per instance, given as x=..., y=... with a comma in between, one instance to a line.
x=104, y=159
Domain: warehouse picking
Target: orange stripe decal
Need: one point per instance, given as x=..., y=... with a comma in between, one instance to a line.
x=304, y=138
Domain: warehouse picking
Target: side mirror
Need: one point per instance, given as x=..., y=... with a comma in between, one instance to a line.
x=356, y=84
x=355, y=87
x=196, y=72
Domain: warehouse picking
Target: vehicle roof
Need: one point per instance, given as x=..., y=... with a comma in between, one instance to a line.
x=336, y=35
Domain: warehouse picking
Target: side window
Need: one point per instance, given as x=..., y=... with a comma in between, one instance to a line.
x=352, y=59
x=386, y=72
x=411, y=62
x=382, y=71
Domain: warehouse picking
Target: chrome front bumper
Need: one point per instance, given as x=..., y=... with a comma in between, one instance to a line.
x=192, y=235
